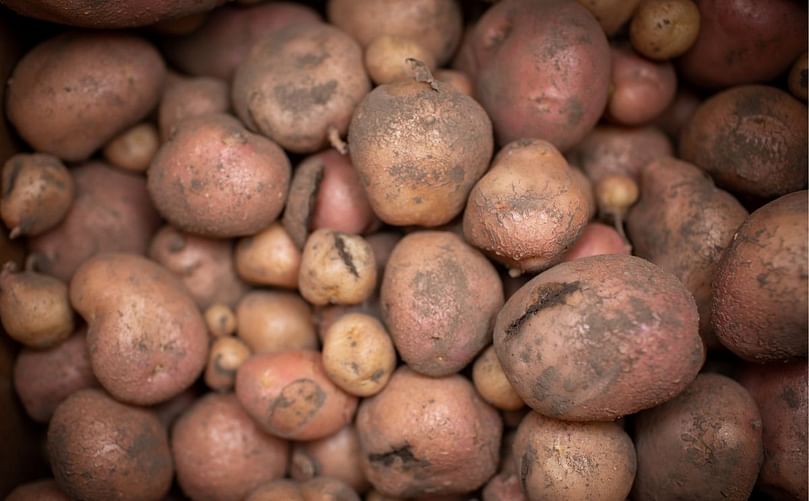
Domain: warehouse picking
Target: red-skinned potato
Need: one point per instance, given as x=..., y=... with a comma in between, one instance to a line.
x=597, y=239
x=74, y=92
x=641, y=89
x=315, y=489
x=190, y=97
x=40, y=490
x=146, y=337
x=337, y=456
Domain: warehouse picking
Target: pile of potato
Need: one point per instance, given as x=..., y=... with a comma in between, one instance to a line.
x=408, y=249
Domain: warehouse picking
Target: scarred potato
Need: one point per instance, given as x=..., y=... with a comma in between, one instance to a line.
x=336, y=268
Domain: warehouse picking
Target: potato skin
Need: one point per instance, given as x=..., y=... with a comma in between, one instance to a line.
x=759, y=308
x=100, y=449
x=597, y=239
x=619, y=150
x=599, y=338
x=146, y=337
x=751, y=139
x=710, y=437
x=642, y=89
x=337, y=456
x=611, y=14
x=424, y=435
x=216, y=179
x=272, y=321
x=76, y=91
x=40, y=490
x=190, y=97
x=439, y=298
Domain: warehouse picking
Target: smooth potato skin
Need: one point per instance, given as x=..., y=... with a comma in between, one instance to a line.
x=642, y=89
x=40, y=490
x=76, y=91
x=710, y=437
x=337, y=456
x=597, y=239
x=190, y=97
x=598, y=338
x=619, y=150
x=759, y=308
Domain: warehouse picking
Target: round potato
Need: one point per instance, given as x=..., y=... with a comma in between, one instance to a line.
x=134, y=148
x=190, y=97
x=664, y=29
x=275, y=321
x=270, y=257
x=336, y=456
x=40, y=490
x=595, y=240
x=611, y=14
x=641, y=89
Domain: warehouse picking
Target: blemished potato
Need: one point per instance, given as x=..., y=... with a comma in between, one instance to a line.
x=336, y=456
x=101, y=449
x=220, y=319
x=439, y=297
x=595, y=240
x=217, y=179
x=541, y=70
x=111, y=212
x=492, y=384
x=599, y=338
x=683, y=223
x=799, y=77
x=298, y=83
x=780, y=393
x=186, y=98
x=573, y=461
x=642, y=89
x=146, y=337
x=436, y=24
x=325, y=316
x=34, y=307
x=336, y=268
x=611, y=14
x=744, y=42
x=220, y=453
x=40, y=490
x=203, y=265
x=134, y=148
x=759, y=309
x=226, y=355
x=528, y=209
x=270, y=257
x=358, y=354
x=664, y=29
x=44, y=378
x=751, y=139
x=710, y=437
x=386, y=58
x=37, y=192
x=424, y=435
x=291, y=396
x=74, y=92
x=275, y=321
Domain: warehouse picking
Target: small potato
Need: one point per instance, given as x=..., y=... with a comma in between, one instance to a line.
x=270, y=257
x=799, y=77
x=37, y=193
x=336, y=456
x=595, y=240
x=220, y=319
x=190, y=97
x=336, y=268
x=227, y=354
x=275, y=321
x=642, y=89
x=327, y=489
x=664, y=29
x=611, y=14
x=492, y=384
x=287, y=490
x=41, y=490
x=456, y=79
x=386, y=58
x=358, y=354
x=290, y=396
x=134, y=148
x=679, y=112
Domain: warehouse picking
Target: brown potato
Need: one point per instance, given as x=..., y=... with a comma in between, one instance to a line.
x=424, y=435
x=327, y=489
x=180, y=25
x=573, y=461
x=751, y=139
x=37, y=193
x=134, y=148
x=290, y=395
x=599, y=338
x=44, y=378
x=325, y=316
x=664, y=29
x=298, y=83
x=40, y=490
x=146, y=337
x=227, y=354
x=386, y=58
x=168, y=411
x=337, y=456
x=759, y=309
x=203, y=265
x=336, y=268
x=220, y=453
x=456, y=79
x=419, y=147
x=528, y=209
x=270, y=257
x=595, y=240
x=287, y=490
x=74, y=92
x=216, y=179
x=611, y=14
x=186, y=98
x=275, y=321
x=642, y=89
x=492, y=384
x=798, y=77
x=101, y=449
x=220, y=319
x=439, y=298
x=111, y=212
x=710, y=437
x=679, y=112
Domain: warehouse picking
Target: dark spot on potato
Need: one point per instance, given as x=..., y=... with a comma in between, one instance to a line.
x=377, y=375
x=791, y=398
x=298, y=402
x=405, y=456
x=574, y=111
x=545, y=296
x=345, y=256
x=526, y=465
x=16, y=167
x=311, y=59
x=302, y=99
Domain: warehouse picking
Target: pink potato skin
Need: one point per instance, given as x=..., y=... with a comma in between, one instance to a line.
x=342, y=204
x=642, y=89
x=597, y=239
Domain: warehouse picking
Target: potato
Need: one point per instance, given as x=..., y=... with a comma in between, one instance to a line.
x=203, y=265
x=573, y=461
x=298, y=83
x=44, y=378
x=336, y=268
x=190, y=97
x=798, y=76
x=146, y=337
x=326, y=316
x=456, y=79
x=220, y=453
x=336, y=456
x=74, y=92
x=599, y=338
x=222, y=43
x=541, y=70
x=595, y=240
x=182, y=25
x=759, y=308
x=435, y=24
x=744, y=42
x=683, y=223
x=422, y=435
x=111, y=212
x=751, y=139
x=492, y=384
x=134, y=148
x=611, y=14
x=220, y=319
x=227, y=354
x=37, y=193
x=168, y=411
x=710, y=437
x=100, y=449
x=277, y=489
x=780, y=393
x=270, y=257
x=679, y=112
x=275, y=321
x=642, y=89
x=528, y=209
x=439, y=297
x=290, y=396
x=386, y=58
x=664, y=29
x=40, y=490
x=316, y=489
x=216, y=179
